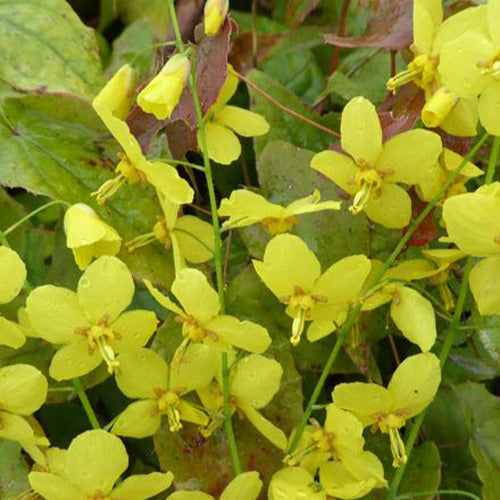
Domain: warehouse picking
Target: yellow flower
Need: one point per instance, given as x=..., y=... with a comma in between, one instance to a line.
x=161, y=95
x=245, y=486
x=293, y=273
x=112, y=105
x=342, y=434
x=23, y=390
x=223, y=120
x=214, y=15
x=88, y=236
x=90, y=324
x=473, y=224
x=200, y=318
x=245, y=208
x=294, y=483
x=470, y=63
x=411, y=389
x=439, y=173
x=371, y=170
x=144, y=374
x=89, y=469
x=13, y=276
x=190, y=238
x=354, y=477
x=443, y=108
x=253, y=382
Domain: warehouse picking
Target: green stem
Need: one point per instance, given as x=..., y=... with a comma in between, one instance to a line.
x=80, y=392
x=228, y=424
x=179, y=162
x=354, y=314
x=32, y=214
x=495, y=149
x=438, y=492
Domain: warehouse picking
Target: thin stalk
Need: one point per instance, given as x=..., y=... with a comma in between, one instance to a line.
x=32, y=214
x=495, y=149
x=80, y=392
x=228, y=424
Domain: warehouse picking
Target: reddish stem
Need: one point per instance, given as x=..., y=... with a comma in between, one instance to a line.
x=340, y=32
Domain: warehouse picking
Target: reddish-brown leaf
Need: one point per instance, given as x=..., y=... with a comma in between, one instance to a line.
x=427, y=230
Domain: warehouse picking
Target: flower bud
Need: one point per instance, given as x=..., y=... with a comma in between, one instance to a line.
x=215, y=13
x=161, y=95
x=438, y=107
x=88, y=236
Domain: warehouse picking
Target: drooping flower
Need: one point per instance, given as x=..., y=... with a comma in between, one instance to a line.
x=200, y=318
x=112, y=105
x=161, y=95
x=88, y=236
x=144, y=374
x=215, y=13
x=13, y=276
x=411, y=389
x=190, y=238
x=245, y=486
x=23, y=390
x=293, y=273
x=244, y=208
x=470, y=63
x=90, y=324
x=473, y=224
x=90, y=468
x=371, y=171
x=253, y=382
x=294, y=483
x=223, y=121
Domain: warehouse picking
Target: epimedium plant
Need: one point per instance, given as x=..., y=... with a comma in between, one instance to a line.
x=242, y=320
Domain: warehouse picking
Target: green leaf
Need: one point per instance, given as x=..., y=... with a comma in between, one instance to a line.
x=45, y=47
x=55, y=145
x=13, y=470
x=153, y=11
x=488, y=471
x=487, y=341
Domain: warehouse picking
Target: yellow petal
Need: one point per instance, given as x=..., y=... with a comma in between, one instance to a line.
x=452, y=161
x=139, y=420
x=360, y=130
x=55, y=313
x=190, y=495
x=215, y=13
x=13, y=273
x=245, y=335
x=392, y=208
x=161, y=95
x=312, y=203
x=406, y=157
x=10, y=334
x=362, y=399
x=319, y=329
x=493, y=16
x=15, y=428
x=193, y=367
x=242, y=121
x=415, y=383
x=134, y=329
x=294, y=483
x=438, y=106
x=365, y=465
x=462, y=120
x=257, y=380
x=140, y=372
x=458, y=63
x=483, y=282
x=74, y=360
x=54, y=487
x=288, y=263
x=338, y=167
x=142, y=486
x=338, y=482
x=245, y=486
x=489, y=108
x=227, y=90
x=196, y=239
x=189, y=413
x=346, y=428
x=412, y=269
x=105, y=289
x=342, y=282
x=23, y=389
x=427, y=16
x=272, y=433
x=197, y=297
x=414, y=316
x=223, y=145
x=95, y=460
x=168, y=182
x=163, y=300
x=473, y=224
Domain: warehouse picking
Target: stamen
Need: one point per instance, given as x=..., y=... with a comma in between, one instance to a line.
x=298, y=326
x=361, y=199
x=108, y=355
x=397, y=448
x=109, y=188
x=140, y=241
x=403, y=78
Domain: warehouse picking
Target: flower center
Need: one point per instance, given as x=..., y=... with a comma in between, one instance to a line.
x=160, y=233
x=390, y=423
x=369, y=182
x=99, y=495
x=275, y=225
x=421, y=71
x=191, y=329
x=491, y=68
x=169, y=404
